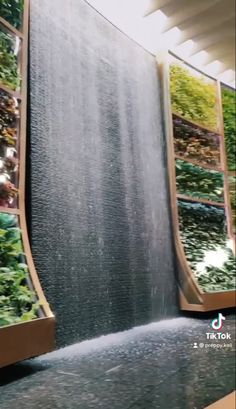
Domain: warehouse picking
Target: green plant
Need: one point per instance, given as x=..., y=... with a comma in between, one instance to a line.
x=204, y=236
x=232, y=192
x=193, y=97
x=9, y=75
x=218, y=279
x=195, y=143
x=11, y=10
x=17, y=301
x=197, y=182
x=229, y=113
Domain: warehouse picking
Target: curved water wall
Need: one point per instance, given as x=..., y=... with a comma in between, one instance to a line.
x=99, y=214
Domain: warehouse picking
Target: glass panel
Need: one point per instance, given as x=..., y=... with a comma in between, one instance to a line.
x=232, y=191
x=193, y=95
x=229, y=113
x=17, y=299
x=9, y=70
x=200, y=183
x=12, y=11
x=207, y=247
x=9, y=121
x=196, y=144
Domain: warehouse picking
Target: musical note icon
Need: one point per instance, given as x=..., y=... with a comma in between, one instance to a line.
x=217, y=323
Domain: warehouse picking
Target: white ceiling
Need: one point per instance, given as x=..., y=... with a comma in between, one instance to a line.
x=201, y=32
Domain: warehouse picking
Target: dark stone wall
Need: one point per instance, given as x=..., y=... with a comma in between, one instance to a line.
x=99, y=219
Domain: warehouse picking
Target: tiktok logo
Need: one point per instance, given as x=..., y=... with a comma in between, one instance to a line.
x=217, y=323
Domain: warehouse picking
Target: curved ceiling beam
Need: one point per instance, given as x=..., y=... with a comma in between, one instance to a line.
x=221, y=10
x=209, y=24
x=220, y=47
x=217, y=52
x=219, y=70
x=156, y=5
x=189, y=10
x=202, y=27
x=203, y=41
x=229, y=60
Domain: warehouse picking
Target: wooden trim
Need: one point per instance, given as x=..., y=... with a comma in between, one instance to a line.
x=200, y=164
x=228, y=402
x=219, y=300
x=210, y=301
x=225, y=167
x=10, y=29
x=14, y=94
x=198, y=200
x=191, y=287
x=25, y=340
x=9, y=210
x=195, y=124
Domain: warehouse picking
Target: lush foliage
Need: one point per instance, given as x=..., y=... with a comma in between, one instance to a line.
x=229, y=112
x=8, y=138
x=197, y=182
x=232, y=190
x=193, y=97
x=17, y=301
x=9, y=75
x=196, y=144
x=8, y=121
x=11, y=10
x=203, y=233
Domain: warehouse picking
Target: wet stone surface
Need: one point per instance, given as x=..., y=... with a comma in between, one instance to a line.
x=150, y=367
x=100, y=218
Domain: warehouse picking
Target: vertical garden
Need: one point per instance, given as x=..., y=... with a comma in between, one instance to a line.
x=26, y=321
x=18, y=302
x=205, y=152
x=229, y=114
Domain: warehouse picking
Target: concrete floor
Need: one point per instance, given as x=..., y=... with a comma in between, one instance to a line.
x=151, y=367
